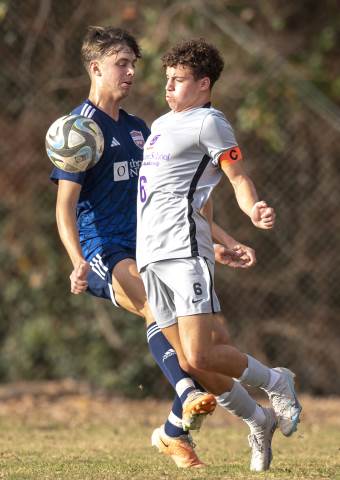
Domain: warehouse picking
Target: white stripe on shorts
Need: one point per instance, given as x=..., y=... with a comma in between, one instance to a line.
x=95, y=268
x=112, y=295
x=99, y=258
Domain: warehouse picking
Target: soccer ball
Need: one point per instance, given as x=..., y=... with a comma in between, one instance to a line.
x=74, y=143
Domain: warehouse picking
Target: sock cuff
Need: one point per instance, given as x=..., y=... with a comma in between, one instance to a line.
x=256, y=374
x=227, y=396
x=152, y=330
x=184, y=386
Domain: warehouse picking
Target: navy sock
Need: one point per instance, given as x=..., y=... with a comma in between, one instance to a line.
x=173, y=425
x=167, y=360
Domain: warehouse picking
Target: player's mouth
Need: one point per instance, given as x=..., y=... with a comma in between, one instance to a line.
x=126, y=84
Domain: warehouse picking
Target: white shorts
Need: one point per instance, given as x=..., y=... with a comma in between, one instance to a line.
x=180, y=287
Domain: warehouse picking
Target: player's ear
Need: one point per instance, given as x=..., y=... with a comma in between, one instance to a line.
x=95, y=68
x=205, y=83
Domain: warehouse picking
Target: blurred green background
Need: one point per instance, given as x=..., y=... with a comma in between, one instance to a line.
x=281, y=91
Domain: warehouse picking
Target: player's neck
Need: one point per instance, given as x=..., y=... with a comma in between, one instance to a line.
x=197, y=103
x=107, y=104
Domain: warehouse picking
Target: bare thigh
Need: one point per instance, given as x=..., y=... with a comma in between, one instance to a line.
x=129, y=289
x=220, y=333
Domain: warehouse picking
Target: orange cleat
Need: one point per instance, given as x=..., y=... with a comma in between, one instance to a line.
x=195, y=408
x=180, y=449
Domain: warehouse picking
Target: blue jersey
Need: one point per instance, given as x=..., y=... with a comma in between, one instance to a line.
x=106, y=210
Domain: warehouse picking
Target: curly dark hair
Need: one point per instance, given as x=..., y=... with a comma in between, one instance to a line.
x=101, y=41
x=203, y=59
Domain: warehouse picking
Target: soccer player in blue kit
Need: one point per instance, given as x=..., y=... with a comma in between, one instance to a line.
x=96, y=218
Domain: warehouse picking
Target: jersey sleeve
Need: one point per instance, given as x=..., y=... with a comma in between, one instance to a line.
x=58, y=174
x=217, y=139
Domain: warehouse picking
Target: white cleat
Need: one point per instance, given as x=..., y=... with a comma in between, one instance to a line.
x=284, y=401
x=260, y=442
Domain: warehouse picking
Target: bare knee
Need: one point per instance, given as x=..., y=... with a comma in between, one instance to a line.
x=185, y=365
x=198, y=360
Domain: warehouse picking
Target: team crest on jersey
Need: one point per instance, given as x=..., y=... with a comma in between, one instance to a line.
x=138, y=138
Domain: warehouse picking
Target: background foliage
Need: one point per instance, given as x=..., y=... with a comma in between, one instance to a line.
x=281, y=91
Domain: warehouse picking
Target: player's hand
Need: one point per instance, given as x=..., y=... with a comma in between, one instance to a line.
x=263, y=216
x=78, y=277
x=240, y=256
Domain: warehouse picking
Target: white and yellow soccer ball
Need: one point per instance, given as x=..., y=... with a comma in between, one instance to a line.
x=74, y=143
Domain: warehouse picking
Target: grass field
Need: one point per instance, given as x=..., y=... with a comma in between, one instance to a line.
x=45, y=435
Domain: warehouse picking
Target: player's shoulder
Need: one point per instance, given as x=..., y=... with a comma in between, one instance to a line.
x=89, y=110
x=86, y=109
x=214, y=117
x=214, y=113
x=161, y=120
x=133, y=120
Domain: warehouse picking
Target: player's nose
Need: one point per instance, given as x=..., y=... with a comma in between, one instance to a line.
x=131, y=72
x=169, y=85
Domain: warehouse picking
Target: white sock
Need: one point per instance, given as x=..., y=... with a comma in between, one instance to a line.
x=256, y=420
x=238, y=401
x=274, y=377
x=256, y=374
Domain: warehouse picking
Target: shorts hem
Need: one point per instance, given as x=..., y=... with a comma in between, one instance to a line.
x=201, y=312
x=166, y=323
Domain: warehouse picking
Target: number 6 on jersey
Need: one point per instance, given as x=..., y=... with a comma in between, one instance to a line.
x=142, y=191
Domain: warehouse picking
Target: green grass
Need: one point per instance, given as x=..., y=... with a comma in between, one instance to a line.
x=84, y=438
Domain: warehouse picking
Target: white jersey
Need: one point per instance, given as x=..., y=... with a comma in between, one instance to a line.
x=179, y=171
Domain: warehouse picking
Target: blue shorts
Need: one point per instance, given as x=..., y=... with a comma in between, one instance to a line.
x=100, y=276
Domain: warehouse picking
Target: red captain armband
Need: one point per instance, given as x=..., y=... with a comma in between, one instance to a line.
x=232, y=155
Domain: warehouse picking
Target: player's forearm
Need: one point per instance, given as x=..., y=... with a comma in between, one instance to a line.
x=245, y=193
x=68, y=233
x=219, y=235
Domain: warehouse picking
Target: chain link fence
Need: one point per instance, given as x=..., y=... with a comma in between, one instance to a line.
x=285, y=310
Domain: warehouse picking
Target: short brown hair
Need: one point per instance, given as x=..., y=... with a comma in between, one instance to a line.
x=101, y=41
x=203, y=59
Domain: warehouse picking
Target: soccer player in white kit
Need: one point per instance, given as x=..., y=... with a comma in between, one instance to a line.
x=185, y=156
x=96, y=216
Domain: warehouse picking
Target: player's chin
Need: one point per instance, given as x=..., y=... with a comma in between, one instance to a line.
x=171, y=103
x=124, y=90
